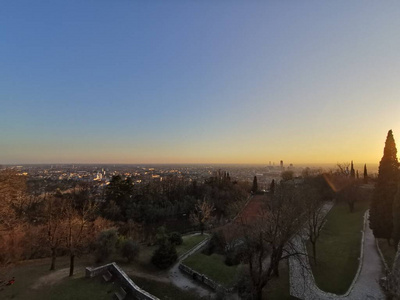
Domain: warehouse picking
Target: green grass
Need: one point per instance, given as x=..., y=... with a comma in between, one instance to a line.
x=388, y=252
x=143, y=262
x=338, y=248
x=213, y=266
x=189, y=241
x=165, y=291
x=27, y=274
x=77, y=287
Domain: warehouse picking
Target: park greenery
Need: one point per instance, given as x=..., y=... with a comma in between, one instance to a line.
x=339, y=248
x=54, y=222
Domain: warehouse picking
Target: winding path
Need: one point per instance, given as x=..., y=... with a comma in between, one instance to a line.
x=185, y=282
x=364, y=286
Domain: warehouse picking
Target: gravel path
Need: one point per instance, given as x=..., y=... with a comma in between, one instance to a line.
x=184, y=281
x=365, y=286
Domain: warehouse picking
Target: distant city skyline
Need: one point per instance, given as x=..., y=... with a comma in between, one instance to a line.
x=198, y=82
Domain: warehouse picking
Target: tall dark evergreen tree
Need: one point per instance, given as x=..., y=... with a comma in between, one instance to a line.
x=254, y=189
x=381, y=210
x=396, y=218
x=272, y=187
x=357, y=176
x=365, y=174
x=352, y=173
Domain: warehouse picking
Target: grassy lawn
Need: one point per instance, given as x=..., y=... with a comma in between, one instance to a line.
x=164, y=291
x=143, y=262
x=388, y=252
x=57, y=284
x=78, y=288
x=189, y=241
x=338, y=248
x=214, y=267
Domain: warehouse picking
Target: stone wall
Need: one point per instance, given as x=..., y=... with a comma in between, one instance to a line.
x=93, y=272
x=203, y=279
x=125, y=281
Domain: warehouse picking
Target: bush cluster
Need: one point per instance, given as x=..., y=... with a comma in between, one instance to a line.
x=175, y=238
x=164, y=256
x=106, y=244
x=216, y=244
x=130, y=250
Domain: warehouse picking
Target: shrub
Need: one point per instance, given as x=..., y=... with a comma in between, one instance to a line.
x=161, y=236
x=130, y=249
x=175, y=238
x=216, y=244
x=164, y=256
x=105, y=244
x=232, y=258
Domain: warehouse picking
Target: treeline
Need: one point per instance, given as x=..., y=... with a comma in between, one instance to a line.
x=36, y=222
x=45, y=225
x=171, y=198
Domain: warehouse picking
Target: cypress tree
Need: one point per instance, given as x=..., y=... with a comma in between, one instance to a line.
x=357, y=176
x=352, y=173
x=365, y=174
x=381, y=210
x=396, y=218
x=272, y=187
x=255, y=185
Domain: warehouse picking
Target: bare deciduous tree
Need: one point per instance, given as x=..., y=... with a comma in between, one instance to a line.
x=343, y=168
x=12, y=223
x=55, y=214
x=315, y=216
x=267, y=239
x=202, y=214
x=79, y=227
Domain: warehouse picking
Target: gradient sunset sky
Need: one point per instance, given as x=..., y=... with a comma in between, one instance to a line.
x=198, y=81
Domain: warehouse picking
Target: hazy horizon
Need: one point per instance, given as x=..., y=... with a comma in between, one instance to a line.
x=372, y=167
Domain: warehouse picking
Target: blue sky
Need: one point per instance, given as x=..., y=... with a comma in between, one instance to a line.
x=198, y=81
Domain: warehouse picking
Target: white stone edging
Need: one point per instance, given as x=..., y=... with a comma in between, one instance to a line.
x=126, y=281
x=361, y=258
x=199, y=245
x=315, y=290
x=199, y=276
